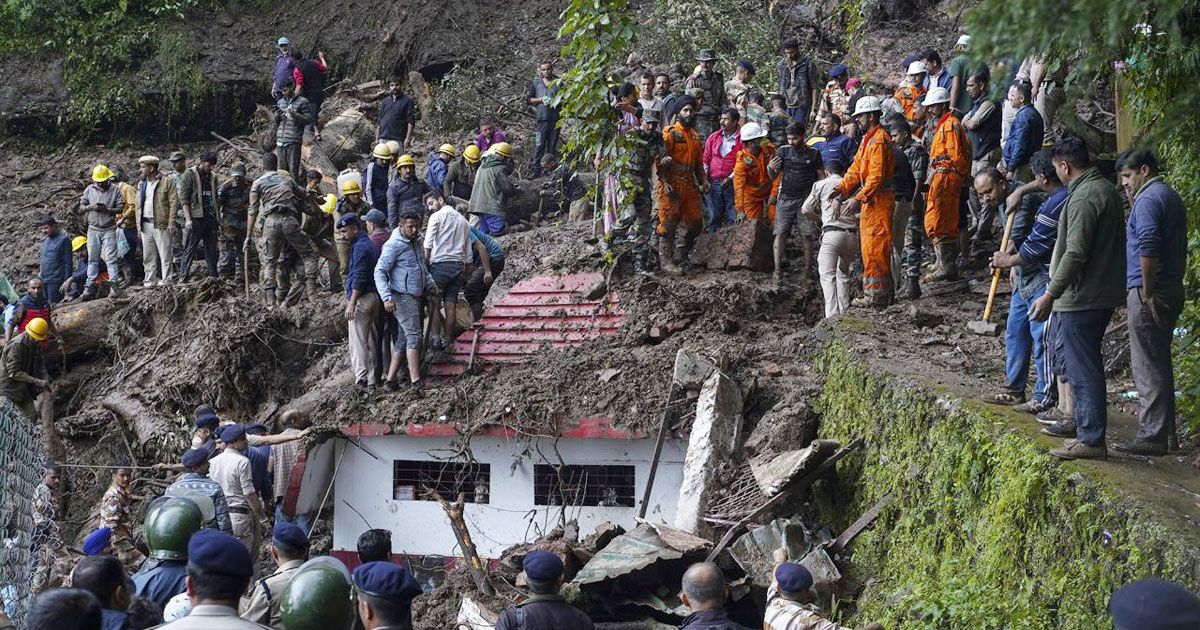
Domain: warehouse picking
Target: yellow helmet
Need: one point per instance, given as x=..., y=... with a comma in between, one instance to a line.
x=471, y=153
x=78, y=243
x=101, y=173
x=351, y=187
x=37, y=328
x=405, y=160
x=393, y=147
x=503, y=149
x=382, y=151
x=330, y=202
x=448, y=149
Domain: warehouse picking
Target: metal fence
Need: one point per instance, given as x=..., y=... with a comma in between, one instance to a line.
x=20, y=472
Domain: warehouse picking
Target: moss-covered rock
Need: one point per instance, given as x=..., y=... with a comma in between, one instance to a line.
x=986, y=530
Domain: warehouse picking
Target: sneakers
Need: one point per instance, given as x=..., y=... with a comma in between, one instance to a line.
x=1141, y=447
x=1051, y=416
x=1064, y=429
x=1033, y=406
x=1006, y=397
x=1074, y=449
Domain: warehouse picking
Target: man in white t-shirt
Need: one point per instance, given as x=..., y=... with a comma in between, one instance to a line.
x=448, y=250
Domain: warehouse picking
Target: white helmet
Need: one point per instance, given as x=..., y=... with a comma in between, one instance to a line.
x=936, y=95
x=867, y=104
x=917, y=67
x=752, y=131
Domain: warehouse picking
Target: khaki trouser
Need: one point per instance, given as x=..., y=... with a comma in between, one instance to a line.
x=580, y=209
x=156, y=252
x=245, y=529
x=363, y=340
x=838, y=251
x=280, y=230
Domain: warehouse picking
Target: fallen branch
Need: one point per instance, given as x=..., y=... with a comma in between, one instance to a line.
x=25, y=179
x=457, y=523
x=50, y=195
x=144, y=422
x=242, y=151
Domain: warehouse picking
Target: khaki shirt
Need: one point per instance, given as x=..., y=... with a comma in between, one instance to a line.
x=213, y=617
x=783, y=614
x=231, y=469
x=263, y=603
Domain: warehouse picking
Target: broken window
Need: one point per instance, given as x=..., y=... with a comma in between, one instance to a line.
x=410, y=479
x=588, y=485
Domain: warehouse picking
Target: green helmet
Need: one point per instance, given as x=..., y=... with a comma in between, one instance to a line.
x=317, y=598
x=170, y=523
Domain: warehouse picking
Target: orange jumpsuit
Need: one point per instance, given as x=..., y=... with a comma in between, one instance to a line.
x=752, y=185
x=908, y=96
x=682, y=204
x=950, y=164
x=871, y=174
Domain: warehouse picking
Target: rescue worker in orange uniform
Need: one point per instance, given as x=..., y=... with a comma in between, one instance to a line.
x=681, y=180
x=950, y=165
x=753, y=187
x=912, y=93
x=871, y=176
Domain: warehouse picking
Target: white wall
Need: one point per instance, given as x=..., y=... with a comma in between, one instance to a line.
x=421, y=527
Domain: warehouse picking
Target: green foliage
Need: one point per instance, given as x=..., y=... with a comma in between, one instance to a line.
x=104, y=43
x=598, y=35
x=985, y=530
x=1155, y=47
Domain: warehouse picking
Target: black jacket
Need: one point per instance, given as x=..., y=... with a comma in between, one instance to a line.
x=708, y=620
x=544, y=612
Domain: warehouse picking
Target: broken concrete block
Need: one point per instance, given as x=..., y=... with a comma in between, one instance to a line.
x=691, y=369
x=744, y=246
x=716, y=436
x=772, y=473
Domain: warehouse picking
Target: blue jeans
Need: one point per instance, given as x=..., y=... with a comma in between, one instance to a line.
x=1080, y=333
x=492, y=224
x=303, y=521
x=1022, y=341
x=720, y=205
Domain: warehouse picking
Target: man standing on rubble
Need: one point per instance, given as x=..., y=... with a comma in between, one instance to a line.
x=56, y=262
x=541, y=91
x=448, y=250
x=460, y=175
x=545, y=609
x=114, y=514
x=197, y=481
x=1086, y=285
x=375, y=177
x=48, y=548
x=201, y=212
x=397, y=116
x=275, y=196
x=681, y=180
x=231, y=469
x=234, y=198
x=157, y=208
x=704, y=592
x=101, y=202
x=362, y=307
x=293, y=113
x=405, y=192
x=493, y=186
x=24, y=375
x=871, y=175
x=950, y=162
x=712, y=84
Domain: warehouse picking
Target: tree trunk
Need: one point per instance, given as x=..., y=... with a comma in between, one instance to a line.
x=145, y=423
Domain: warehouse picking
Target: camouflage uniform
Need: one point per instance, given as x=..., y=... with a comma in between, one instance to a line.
x=645, y=152
x=914, y=230
x=235, y=198
x=274, y=199
x=713, y=88
x=114, y=514
x=51, y=559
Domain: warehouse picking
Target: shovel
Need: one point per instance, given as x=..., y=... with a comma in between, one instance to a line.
x=986, y=326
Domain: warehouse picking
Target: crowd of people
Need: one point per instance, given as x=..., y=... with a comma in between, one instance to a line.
x=862, y=176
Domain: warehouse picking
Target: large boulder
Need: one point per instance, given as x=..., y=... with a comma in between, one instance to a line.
x=743, y=246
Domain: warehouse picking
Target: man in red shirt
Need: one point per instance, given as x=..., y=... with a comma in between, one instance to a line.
x=720, y=154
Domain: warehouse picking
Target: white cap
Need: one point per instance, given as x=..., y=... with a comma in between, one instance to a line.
x=964, y=41
x=867, y=104
x=936, y=95
x=752, y=131
x=917, y=67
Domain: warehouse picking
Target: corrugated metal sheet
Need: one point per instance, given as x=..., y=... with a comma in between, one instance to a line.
x=537, y=314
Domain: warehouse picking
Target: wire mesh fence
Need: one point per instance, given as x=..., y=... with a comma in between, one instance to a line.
x=20, y=477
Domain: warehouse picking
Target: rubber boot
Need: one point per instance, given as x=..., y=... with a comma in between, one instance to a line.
x=938, y=265
x=685, y=249
x=947, y=253
x=269, y=297
x=639, y=263
x=910, y=290
x=666, y=256
x=312, y=289
x=114, y=288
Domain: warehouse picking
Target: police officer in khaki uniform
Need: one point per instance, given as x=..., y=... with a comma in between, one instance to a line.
x=219, y=570
x=289, y=549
